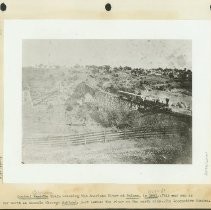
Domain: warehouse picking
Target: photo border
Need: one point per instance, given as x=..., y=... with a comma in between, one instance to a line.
x=77, y=9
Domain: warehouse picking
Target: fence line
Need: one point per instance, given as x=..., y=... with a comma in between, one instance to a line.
x=106, y=136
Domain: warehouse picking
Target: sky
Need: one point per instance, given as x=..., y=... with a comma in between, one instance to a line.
x=137, y=53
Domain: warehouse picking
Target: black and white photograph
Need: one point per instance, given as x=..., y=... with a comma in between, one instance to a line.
x=106, y=101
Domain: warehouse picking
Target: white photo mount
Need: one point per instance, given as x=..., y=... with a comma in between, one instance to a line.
x=199, y=32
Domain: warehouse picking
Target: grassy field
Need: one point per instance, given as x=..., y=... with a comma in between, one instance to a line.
x=174, y=149
x=63, y=112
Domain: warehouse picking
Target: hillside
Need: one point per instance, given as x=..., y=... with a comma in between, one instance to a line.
x=59, y=101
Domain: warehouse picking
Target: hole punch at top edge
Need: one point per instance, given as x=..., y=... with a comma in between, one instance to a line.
x=108, y=7
x=3, y=7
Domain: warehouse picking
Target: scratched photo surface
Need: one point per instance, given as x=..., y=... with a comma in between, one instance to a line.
x=107, y=101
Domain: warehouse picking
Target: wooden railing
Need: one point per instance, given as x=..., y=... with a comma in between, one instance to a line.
x=107, y=135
